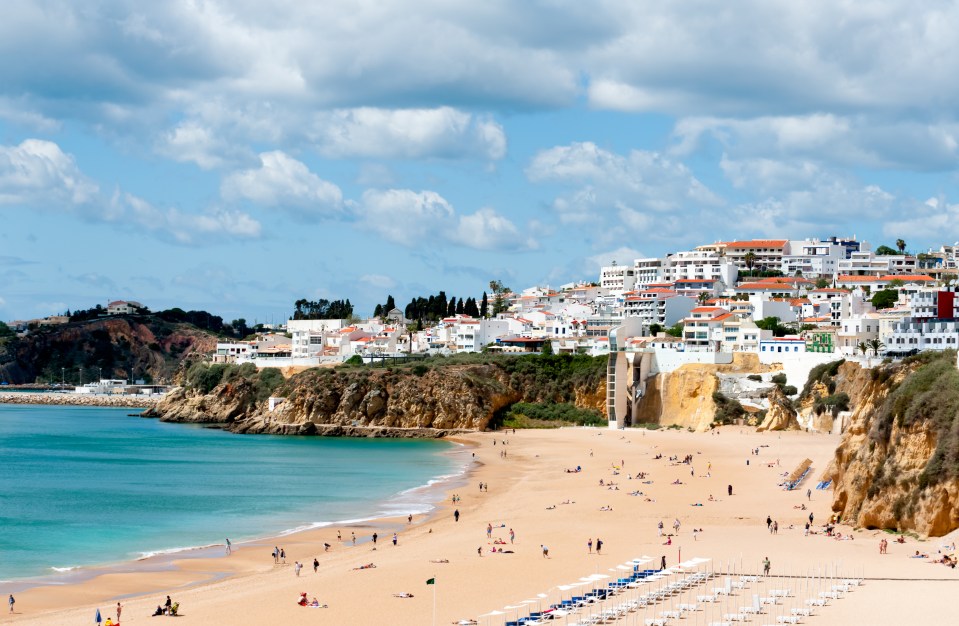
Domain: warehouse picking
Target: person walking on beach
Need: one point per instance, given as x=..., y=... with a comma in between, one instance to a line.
x=119, y=610
x=766, y=566
x=229, y=549
x=769, y=523
x=676, y=525
x=776, y=527
x=456, y=515
x=810, y=517
x=512, y=535
x=394, y=540
x=545, y=551
x=662, y=564
x=489, y=531
x=11, y=602
x=374, y=540
x=809, y=494
x=316, y=565
x=283, y=556
x=729, y=489
x=589, y=545
x=660, y=526
x=409, y=518
x=296, y=568
x=353, y=537
x=599, y=546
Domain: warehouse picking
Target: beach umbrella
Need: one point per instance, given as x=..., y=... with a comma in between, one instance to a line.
x=490, y=614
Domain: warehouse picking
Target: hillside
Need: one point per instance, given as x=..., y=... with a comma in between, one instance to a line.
x=440, y=394
x=113, y=347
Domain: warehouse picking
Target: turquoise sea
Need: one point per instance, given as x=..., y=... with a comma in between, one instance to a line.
x=82, y=486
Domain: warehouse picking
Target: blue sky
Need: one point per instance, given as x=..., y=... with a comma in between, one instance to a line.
x=237, y=156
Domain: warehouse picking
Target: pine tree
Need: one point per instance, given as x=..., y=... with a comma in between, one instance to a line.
x=390, y=304
x=451, y=309
x=378, y=311
x=470, y=308
x=484, y=306
x=460, y=309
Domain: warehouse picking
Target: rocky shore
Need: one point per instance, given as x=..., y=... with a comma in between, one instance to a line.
x=77, y=399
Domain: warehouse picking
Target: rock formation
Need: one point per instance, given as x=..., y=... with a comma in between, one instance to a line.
x=780, y=415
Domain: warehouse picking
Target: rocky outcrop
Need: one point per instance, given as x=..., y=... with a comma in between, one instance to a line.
x=410, y=401
x=780, y=415
x=887, y=470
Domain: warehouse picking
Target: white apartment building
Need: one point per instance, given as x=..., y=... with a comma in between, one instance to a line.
x=648, y=272
x=813, y=258
x=857, y=329
x=766, y=253
x=699, y=265
x=703, y=329
x=871, y=264
x=914, y=335
x=617, y=278
x=308, y=335
x=659, y=305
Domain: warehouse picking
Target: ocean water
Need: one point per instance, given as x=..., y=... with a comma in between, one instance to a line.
x=82, y=486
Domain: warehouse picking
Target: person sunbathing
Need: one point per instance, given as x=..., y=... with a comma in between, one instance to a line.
x=919, y=556
x=405, y=594
x=439, y=560
x=606, y=508
x=367, y=566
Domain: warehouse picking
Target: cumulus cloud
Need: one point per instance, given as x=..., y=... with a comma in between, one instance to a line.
x=407, y=133
x=641, y=187
x=933, y=220
x=425, y=218
x=378, y=280
x=185, y=228
x=38, y=173
x=284, y=182
x=624, y=255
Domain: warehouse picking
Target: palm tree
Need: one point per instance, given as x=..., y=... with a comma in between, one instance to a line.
x=875, y=345
x=862, y=347
x=703, y=297
x=901, y=244
x=750, y=260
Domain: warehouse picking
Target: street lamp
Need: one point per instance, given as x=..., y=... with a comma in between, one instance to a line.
x=63, y=377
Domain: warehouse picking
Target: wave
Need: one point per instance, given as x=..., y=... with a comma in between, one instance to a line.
x=147, y=555
x=65, y=569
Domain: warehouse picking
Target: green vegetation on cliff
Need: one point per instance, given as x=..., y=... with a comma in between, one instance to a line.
x=927, y=397
x=204, y=377
x=537, y=415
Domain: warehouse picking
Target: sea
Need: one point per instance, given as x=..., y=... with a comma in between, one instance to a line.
x=88, y=487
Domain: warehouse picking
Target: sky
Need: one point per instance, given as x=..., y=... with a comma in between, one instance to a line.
x=238, y=156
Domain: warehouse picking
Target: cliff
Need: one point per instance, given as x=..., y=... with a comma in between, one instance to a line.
x=410, y=401
x=780, y=415
x=897, y=465
x=114, y=347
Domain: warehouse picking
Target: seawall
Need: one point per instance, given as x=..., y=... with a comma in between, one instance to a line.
x=77, y=399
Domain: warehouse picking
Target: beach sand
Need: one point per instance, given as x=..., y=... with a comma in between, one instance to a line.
x=527, y=490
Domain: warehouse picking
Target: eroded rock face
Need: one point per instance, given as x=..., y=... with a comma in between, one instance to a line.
x=368, y=402
x=780, y=415
x=877, y=480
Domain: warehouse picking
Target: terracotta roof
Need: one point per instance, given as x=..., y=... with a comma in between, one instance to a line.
x=706, y=309
x=722, y=317
x=907, y=277
x=830, y=290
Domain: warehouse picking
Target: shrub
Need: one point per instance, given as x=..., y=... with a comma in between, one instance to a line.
x=419, y=369
x=823, y=373
x=789, y=390
x=539, y=415
x=755, y=378
x=727, y=409
x=779, y=379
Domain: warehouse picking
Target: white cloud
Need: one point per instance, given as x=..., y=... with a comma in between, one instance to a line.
x=624, y=255
x=184, y=228
x=406, y=217
x=425, y=218
x=934, y=220
x=282, y=181
x=378, y=280
x=488, y=230
x=640, y=189
x=406, y=133
x=39, y=174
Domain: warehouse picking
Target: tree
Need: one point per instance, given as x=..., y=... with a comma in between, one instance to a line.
x=676, y=330
x=5, y=331
x=750, y=260
x=885, y=298
x=484, y=307
x=703, y=297
x=451, y=309
x=499, y=296
x=470, y=308
x=378, y=311
x=547, y=348
x=390, y=304
x=885, y=251
x=240, y=329
x=875, y=345
x=655, y=329
x=822, y=283
x=321, y=309
x=772, y=324
x=460, y=307
x=862, y=347
x=901, y=245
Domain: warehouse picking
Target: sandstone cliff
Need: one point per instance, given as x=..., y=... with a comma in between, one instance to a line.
x=780, y=415
x=409, y=401
x=896, y=466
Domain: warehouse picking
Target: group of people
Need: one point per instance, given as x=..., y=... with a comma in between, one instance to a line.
x=302, y=601
x=167, y=608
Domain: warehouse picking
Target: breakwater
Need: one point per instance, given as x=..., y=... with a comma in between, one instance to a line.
x=77, y=399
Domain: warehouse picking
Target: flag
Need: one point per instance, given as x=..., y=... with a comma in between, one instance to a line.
x=431, y=581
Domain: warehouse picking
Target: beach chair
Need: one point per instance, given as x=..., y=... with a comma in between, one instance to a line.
x=174, y=608
x=755, y=608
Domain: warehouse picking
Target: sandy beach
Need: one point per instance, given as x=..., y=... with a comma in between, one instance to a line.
x=530, y=492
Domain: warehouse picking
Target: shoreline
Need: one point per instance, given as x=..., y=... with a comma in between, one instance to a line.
x=169, y=560
x=531, y=492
